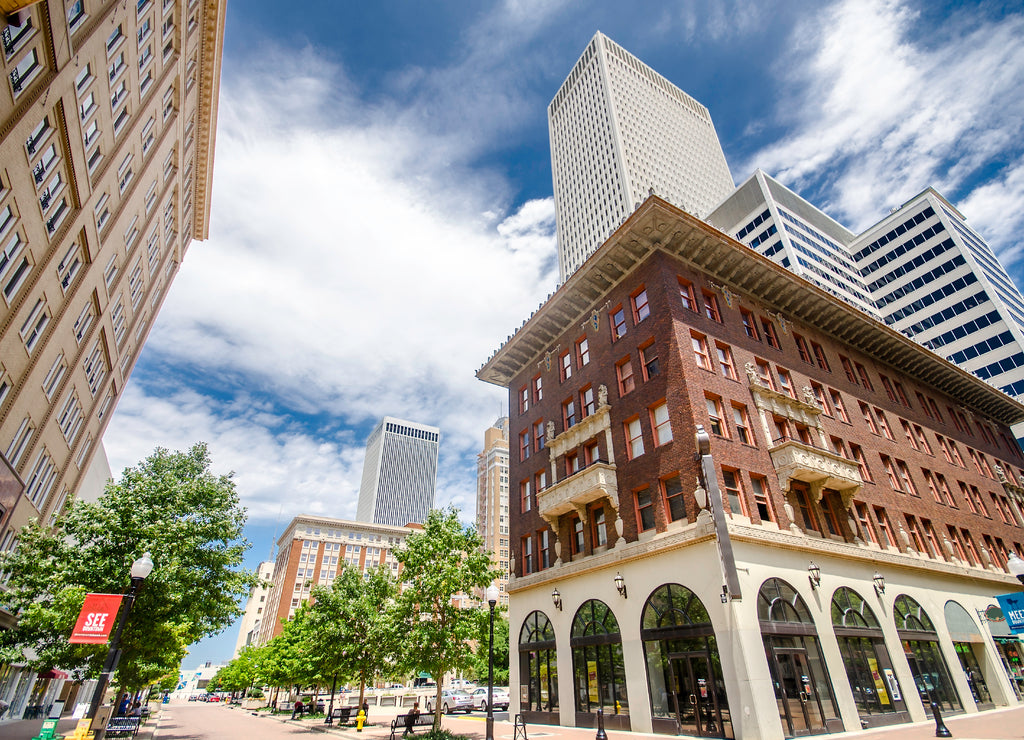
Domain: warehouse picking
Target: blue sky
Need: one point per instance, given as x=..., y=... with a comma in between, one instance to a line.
x=382, y=215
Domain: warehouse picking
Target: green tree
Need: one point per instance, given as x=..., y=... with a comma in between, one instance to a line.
x=351, y=627
x=441, y=561
x=170, y=505
x=284, y=660
x=240, y=673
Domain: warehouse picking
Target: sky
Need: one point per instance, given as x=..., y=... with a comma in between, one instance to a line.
x=382, y=213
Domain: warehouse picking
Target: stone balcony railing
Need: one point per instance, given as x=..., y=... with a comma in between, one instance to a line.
x=795, y=460
x=595, y=482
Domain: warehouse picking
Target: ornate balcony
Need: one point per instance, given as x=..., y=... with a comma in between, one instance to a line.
x=795, y=460
x=595, y=482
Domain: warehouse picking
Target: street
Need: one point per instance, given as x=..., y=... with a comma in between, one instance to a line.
x=198, y=721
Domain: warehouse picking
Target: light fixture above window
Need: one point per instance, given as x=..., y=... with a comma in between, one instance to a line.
x=620, y=585
x=814, y=575
x=879, y=582
x=556, y=598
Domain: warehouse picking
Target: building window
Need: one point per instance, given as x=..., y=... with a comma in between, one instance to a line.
x=569, y=413
x=644, y=508
x=634, y=439
x=840, y=407
x=618, y=316
x=524, y=400
x=583, y=352
x=538, y=389
x=34, y=325
x=599, y=530
x=624, y=372
x=883, y=424
x=687, y=296
x=577, y=535
x=742, y=420
x=543, y=549
x=700, y=350
x=851, y=375
x=786, y=382
x=884, y=528
x=819, y=356
x=672, y=490
x=649, y=361
x=867, y=532
x=711, y=306
x=770, y=336
x=524, y=445
x=864, y=379
x=764, y=373
x=865, y=410
x=527, y=549
x=733, y=491
x=749, y=324
x=725, y=361
x=641, y=309
x=802, y=348
x=716, y=421
x=565, y=366
x=660, y=424
x=803, y=499
x=538, y=435
x=587, y=401
x=759, y=486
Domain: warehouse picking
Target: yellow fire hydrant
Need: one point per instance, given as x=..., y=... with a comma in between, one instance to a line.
x=360, y=718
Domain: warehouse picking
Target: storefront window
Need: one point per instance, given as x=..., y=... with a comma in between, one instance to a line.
x=921, y=646
x=538, y=668
x=968, y=643
x=684, y=670
x=802, y=688
x=599, y=674
x=866, y=659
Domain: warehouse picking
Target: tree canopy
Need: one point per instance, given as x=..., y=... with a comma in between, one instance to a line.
x=441, y=561
x=170, y=505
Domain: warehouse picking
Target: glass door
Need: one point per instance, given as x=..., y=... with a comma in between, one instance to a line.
x=696, y=698
x=797, y=694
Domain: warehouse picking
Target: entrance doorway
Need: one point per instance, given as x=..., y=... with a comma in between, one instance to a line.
x=695, y=697
x=797, y=692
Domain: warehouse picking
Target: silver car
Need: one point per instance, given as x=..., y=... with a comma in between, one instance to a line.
x=500, y=698
x=452, y=701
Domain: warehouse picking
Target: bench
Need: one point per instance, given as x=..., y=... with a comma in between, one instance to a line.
x=398, y=723
x=342, y=715
x=123, y=726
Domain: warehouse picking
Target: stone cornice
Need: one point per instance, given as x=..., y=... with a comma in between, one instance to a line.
x=211, y=52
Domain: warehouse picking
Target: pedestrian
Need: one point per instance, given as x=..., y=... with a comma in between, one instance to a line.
x=122, y=708
x=298, y=709
x=410, y=719
x=366, y=711
x=137, y=709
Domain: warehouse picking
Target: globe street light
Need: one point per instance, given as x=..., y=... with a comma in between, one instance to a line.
x=141, y=568
x=1016, y=566
x=492, y=599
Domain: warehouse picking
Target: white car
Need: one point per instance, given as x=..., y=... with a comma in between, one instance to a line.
x=500, y=698
x=452, y=701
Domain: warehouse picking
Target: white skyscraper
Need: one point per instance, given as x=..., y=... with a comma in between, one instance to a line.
x=399, y=473
x=619, y=130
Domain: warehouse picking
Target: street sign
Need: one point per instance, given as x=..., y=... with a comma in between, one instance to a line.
x=1013, y=610
x=96, y=618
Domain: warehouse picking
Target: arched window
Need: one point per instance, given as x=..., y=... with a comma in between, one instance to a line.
x=969, y=644
x=876, y=691
x=599, y=673
x=538, y=667
x=684, y=670
x=802, y=686
x=921, y=645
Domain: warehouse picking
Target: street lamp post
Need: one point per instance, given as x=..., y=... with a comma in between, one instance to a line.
x=492, y=600
x=1016, y=566
x=141, y=568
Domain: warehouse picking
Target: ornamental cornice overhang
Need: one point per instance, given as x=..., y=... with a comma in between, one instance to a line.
x=211, y=54
x=659, y=226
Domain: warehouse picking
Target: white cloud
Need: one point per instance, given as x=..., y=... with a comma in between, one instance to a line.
x=876, y=117
x=351, y=272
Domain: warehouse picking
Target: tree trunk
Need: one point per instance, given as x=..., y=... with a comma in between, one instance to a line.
x=334, y=685
x=437, y=707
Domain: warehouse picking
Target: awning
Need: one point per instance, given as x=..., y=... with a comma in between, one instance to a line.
x=52, y=673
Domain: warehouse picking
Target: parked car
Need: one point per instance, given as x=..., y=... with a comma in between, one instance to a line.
x=452, y=701
x=500, y=698
x=213, y=697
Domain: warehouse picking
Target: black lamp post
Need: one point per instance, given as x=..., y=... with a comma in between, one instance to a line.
x=141, y=568
x=492, y=600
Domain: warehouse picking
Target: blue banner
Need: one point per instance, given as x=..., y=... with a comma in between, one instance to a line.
x=1013, y=608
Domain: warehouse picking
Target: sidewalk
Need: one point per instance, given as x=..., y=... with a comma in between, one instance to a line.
x=997, y=724
x=25, y=729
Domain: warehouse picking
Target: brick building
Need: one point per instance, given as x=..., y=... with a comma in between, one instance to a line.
x=312, y=551
x=865, y=496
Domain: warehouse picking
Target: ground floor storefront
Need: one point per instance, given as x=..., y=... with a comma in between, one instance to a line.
x=825, y=637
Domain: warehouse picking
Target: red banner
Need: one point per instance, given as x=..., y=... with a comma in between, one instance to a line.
x=97, y=618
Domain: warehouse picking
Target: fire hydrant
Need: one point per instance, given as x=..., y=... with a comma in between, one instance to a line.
x=360, y=719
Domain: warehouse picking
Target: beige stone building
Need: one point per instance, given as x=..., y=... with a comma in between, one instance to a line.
x=107, y=126
x=492, y=500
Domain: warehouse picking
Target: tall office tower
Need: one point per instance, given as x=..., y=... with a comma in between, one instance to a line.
x=312, y=551
x=920, y=269
x=249, y=627
x=399, y=473
x=619, y=130
x=492, y=499
x=935, y=279
x=774, y=221
x=108, y=117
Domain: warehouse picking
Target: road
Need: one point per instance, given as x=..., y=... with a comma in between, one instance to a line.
x=200, y=721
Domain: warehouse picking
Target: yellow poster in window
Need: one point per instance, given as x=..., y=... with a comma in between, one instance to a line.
x=543, y=685
x=883, y=695
x=595, y=694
